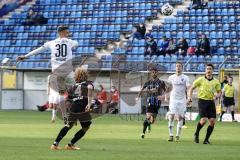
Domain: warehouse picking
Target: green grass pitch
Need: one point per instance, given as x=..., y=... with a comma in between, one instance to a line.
x=27, y=135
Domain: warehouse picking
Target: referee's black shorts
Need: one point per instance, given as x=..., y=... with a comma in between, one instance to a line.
x=228, y=101
x=207, y=108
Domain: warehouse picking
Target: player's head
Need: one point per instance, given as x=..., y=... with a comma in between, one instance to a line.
x=63, y=31
x=100, y=87
x=204, y=36
x=179, y=67
x=113, y=89
x=209, y=69
x=81, y=75
x=153, y=72
x=230, y=80
x=225, y=78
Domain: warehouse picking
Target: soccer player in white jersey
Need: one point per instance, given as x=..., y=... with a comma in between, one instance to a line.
x=178, y=100
x=61, y=59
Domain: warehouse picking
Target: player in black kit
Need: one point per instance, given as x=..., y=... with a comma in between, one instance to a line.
x=79, y=100
x=155, y=89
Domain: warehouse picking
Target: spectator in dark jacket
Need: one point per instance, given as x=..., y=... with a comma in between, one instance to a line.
x=163, y=45
x=150, y=46
x=172, y=48
x=196, y=4
x=203, y=47
x=182, y=47
x=33, y=18
x=139, y=33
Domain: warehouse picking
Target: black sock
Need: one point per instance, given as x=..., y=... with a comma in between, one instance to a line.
x=199, y=127
x=184, y=122
x=78, y=136
x=209, y=132
x=149, y=124
x=233, y=115
x=61, y=134
x=222, y=115
x=145, y=124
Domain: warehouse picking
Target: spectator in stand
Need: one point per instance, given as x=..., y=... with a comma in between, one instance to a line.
x=172, y=48
x=150, y=46
x=148, y=34
x=33, y=18
x=139, y=33
x=203, y=47
x=114, y=99
x=182, y=46
x=197, y=4
x=101, y=98
x=163, y=45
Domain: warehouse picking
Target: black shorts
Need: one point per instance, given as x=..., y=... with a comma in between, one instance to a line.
x=153, y=109
x=83, y=118
x=228, y=101
x=207, y=108
x=77, y=113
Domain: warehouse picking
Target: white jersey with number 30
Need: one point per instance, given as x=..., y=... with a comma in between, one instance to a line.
x=61, y=51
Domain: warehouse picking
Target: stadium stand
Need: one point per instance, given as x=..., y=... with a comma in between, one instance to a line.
x=95, y=23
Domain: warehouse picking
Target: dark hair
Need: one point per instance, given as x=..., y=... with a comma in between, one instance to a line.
x=153, y=68
x=210, y=65
x=230, y=77
x=61, y=28
x=179, y=63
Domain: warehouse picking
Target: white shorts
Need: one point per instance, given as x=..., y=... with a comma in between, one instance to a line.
x=59, y=84
x=54, y=98
x=178, y=107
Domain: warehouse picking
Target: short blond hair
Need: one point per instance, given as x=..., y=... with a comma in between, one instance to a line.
x=81, y=75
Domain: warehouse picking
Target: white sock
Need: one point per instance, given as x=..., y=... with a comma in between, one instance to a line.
x=53, y=114
x=179, y=127
x=170, y=126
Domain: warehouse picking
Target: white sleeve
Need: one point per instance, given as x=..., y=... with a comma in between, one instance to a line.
x=38, y=50
x=74, y=44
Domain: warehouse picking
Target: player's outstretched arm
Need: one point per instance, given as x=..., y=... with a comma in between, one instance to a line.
x=34, y=52
x=139, y=94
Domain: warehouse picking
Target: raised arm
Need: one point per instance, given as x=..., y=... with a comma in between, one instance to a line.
x=34, y=52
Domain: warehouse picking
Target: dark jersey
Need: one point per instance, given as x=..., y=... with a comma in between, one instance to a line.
x=159, y=86
x=78, y=95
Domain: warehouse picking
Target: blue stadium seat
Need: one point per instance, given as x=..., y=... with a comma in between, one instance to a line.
x=193, y=42
x=225, y=27
x=201, y=67
x=219, y=34
x=226, y=34
x=227, y=42
x=220, y=51
x=213, y=43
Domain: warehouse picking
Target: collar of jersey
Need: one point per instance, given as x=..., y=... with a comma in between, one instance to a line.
x=208, y=79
